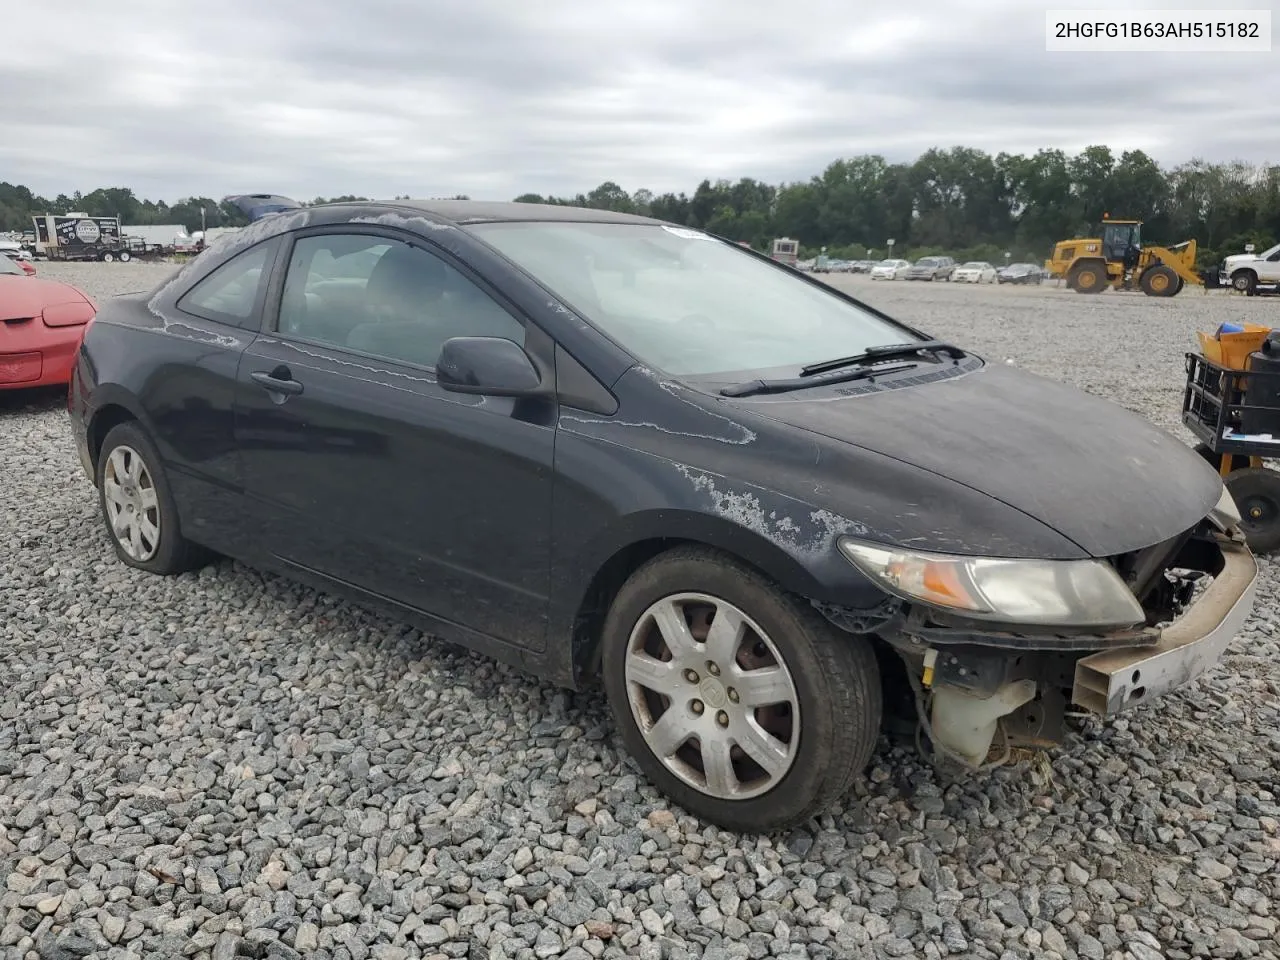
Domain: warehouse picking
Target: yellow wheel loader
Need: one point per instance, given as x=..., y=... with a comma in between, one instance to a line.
x=1118, y=259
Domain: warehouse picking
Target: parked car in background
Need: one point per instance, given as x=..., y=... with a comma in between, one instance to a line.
x=975, y=271
x=601, y=446
x=41, y=323
x=1020, y=273
x=932, y=268
x=862, y=266
x=890, y=270
x=17, y=265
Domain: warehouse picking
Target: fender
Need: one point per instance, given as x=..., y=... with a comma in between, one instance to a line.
x=765, y=531
x=97, y=417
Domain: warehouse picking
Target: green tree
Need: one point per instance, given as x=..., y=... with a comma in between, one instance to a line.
x=955, y=200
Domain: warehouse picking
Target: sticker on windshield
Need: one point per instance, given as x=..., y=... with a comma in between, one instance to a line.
x=687, y=234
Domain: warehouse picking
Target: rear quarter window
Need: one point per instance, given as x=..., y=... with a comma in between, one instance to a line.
x=232, y=294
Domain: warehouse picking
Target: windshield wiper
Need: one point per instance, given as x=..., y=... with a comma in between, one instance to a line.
x=883, y=353
x=753, y=387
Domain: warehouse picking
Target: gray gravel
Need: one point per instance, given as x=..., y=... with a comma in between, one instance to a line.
x=225, y=765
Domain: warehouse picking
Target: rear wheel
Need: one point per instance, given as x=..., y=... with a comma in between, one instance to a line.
x=108, y=257
x=138, y=507
x=1159, y=281
x=124, y=256
x=740, y=702
x=1256, y=491
x=1089, y=278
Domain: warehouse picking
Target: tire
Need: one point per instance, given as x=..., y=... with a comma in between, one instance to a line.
x=125, y=256
x=108, y=257
x=1256, y=491
x=830, y=681
x=1089, y=278
x=1159, y=281
x=1245, y=281
x=166, y=552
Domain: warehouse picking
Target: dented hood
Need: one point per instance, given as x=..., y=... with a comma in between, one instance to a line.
x=1104, y=478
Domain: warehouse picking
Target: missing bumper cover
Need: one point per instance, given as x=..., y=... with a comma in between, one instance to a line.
x=1113, y=680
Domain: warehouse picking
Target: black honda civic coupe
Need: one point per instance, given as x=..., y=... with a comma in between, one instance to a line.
x=604, y=447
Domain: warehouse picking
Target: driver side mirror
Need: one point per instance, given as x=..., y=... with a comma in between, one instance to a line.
x=490, y=366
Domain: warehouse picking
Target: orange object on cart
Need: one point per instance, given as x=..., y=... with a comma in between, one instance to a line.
x=1232, y=349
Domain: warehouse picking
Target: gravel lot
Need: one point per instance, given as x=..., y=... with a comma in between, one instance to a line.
x=225, y=765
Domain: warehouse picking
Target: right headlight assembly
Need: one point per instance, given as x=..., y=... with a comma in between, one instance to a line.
x=1085, y=594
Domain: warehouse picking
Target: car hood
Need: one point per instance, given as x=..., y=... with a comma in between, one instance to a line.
x=1240, y=258
x=1106, y=479
x=23, y=297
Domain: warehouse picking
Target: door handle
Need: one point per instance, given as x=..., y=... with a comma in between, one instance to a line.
x=278, y=381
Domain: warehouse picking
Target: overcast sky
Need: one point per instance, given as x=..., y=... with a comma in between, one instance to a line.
x=493, y=98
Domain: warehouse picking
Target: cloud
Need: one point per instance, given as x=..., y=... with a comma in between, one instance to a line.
x=493, y=99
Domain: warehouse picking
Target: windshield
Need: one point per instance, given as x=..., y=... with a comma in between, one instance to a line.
x=974, y=265
x=927, y=262
x=687, y=303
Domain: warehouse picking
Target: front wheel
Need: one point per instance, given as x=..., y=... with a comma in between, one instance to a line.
x=739, y=701
x=1159, y=281
x=1245, y=281
x=138, y=507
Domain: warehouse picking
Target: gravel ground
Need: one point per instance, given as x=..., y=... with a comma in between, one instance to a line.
x=225, y=765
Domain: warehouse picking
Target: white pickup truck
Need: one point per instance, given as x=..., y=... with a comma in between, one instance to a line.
x=1244, y=271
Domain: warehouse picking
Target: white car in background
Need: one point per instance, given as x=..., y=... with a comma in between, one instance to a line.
x=890, y=269
x=975, y=271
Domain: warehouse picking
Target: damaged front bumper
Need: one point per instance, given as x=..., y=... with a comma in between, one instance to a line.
x=973, y=682
x=1114, y=680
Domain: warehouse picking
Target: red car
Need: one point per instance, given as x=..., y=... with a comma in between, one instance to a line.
x=41, y=324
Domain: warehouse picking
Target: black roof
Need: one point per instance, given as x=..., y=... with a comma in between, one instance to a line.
x=486, y=211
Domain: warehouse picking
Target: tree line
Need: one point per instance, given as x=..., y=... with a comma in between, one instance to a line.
x=959, y=201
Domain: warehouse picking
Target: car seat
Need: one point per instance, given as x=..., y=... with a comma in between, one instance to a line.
x=402, y=307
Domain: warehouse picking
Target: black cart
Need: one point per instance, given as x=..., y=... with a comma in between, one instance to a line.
x=1236, y=415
